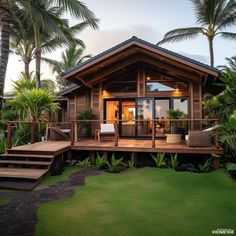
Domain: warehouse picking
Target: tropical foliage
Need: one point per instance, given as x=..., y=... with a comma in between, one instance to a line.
x=72, y=56
x=100, y=161
x=114, y=165
x=46, y=24
x=159, y=159
x=212, y=17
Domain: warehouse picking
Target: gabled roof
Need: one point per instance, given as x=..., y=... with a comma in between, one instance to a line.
x=142, y=43
x=69, y=89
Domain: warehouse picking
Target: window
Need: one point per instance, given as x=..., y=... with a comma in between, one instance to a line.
x=156, y=82
x=181, y=104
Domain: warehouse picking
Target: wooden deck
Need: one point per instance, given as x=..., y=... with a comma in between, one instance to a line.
x=32, y=161
x=132, y=145
x=49, y=147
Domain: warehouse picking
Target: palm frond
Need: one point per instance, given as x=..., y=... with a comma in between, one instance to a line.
x=79, y=10
x=181, y=34
x=228, y=35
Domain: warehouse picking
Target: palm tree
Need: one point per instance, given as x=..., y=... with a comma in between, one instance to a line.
x=38, y=16
x=29, y=82
x=213, y=16
x=34, y=104
x=71, y=57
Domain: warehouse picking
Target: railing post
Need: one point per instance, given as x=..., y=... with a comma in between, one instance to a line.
x=47, y=132
x=75, y=132
x=216, y=135
x=9, y=144
x=153, y=133
x=116, y=134
x=32, y=133
x=72, y=133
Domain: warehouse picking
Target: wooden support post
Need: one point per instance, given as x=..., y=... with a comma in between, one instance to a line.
x=105, y=155
x=47, y=132
x=32, y=130
x=72, y=133
x=92, y=157
x=69, y=155
x=9, y=144
x=75, y=132
x=134, y=158
x=153, y=133
x=116, y=134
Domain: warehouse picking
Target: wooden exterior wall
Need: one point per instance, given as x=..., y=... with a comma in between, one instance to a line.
x=94, y=98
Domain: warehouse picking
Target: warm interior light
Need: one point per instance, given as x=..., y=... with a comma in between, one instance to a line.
x=148, y=78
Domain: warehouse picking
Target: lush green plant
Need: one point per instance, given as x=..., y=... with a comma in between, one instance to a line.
x=130, y=164
x=174, y=114
x=34, y=104
x=213, y=18
x=205, y=167
x=159, y=159
x=85, y=125
x=85, y=163
x=228, y=133
x=2, y=143
x=174, y=160
x=100, y=161
x=72, y=56
x=230, y=166
x=114, y=165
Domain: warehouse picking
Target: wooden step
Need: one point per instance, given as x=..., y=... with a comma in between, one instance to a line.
x=22, y=173
x=27, y=156
x=15, y=162
x=30, y=152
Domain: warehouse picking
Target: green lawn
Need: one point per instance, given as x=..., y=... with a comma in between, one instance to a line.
x=145, y=201
x=49, y=180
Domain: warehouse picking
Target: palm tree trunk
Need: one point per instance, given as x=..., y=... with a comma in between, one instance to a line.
x=27, y=63
x=5, y=19
x=210, y=41
x=38, y=66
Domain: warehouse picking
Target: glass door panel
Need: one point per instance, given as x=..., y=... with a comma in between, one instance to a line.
x=112, y=111
x=145, y=116
x=128, y=118
x=161, y=108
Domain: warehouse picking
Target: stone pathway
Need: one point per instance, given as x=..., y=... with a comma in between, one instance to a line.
x=18, y=217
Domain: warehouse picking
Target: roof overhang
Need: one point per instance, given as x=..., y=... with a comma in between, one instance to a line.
x=132, y=47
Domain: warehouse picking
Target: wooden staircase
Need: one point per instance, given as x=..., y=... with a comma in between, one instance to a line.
x=24, y=165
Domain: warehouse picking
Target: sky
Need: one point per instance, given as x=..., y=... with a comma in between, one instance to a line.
x=146, y=19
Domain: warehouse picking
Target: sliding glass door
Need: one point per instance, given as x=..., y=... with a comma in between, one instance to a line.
x=144, y=116
x=134, y=116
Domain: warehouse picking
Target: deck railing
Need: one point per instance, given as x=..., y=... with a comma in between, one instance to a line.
x=140, y=128
x=84, y=129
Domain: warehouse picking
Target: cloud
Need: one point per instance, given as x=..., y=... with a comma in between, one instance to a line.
x=98, y=41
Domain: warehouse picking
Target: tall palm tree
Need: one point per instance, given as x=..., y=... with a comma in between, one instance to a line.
x=231, y=64
x=71, y=57
x=213, y=17
x=35, y=14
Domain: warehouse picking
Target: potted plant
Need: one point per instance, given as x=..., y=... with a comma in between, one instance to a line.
x=85, y=125
x=174, y=115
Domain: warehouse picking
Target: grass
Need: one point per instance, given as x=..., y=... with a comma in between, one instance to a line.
x=49, y=180
x=3, y=201
x=146, y=201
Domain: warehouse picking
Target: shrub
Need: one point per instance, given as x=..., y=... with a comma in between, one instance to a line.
x=85, y=163
x=115, y=164
x=174, y=161
x=205, y=168
x=100, y=161
x=159, y=159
